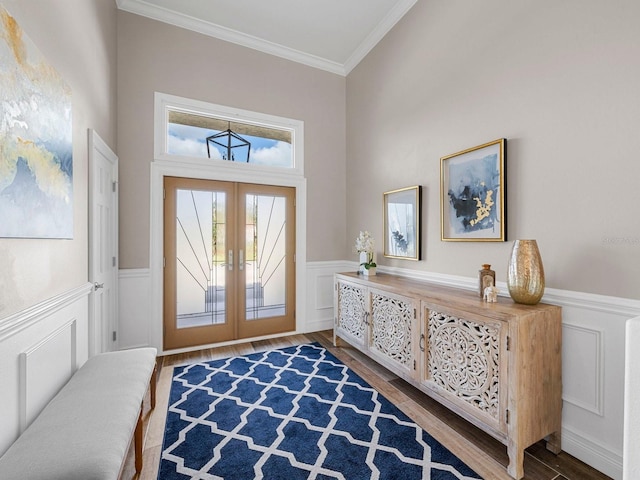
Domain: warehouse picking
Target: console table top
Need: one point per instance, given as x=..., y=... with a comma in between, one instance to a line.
x=460, y=298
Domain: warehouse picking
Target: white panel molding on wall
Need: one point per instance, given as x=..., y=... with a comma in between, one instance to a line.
x=593, y=350
x=631, y=462
x=134, y=307
x=40, y=348
x=319, y=314
x=585, y=387
x=44, y=369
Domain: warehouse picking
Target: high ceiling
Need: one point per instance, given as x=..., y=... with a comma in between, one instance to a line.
x=332, y=35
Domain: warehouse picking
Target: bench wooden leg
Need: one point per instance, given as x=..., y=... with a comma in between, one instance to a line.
x=138, y=443
x=154, y=381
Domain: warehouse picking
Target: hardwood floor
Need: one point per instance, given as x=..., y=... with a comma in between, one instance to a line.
x=481, y=452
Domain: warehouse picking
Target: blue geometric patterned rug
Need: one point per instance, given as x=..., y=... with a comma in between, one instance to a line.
x=293, y=413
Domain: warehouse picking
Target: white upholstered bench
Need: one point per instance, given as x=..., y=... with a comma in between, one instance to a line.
x=86, y=430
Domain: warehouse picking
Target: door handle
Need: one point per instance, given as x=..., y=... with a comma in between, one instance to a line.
x=241, y=260
x=421, y=342
x=97, y=285
x=230, y=260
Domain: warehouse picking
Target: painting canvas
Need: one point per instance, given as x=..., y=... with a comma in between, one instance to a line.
x=36, y=161
x=402, y=223
x=473, y=194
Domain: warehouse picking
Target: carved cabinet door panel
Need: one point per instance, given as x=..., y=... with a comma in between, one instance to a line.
x=392, y=331
x=465, y=362
x=352, y=312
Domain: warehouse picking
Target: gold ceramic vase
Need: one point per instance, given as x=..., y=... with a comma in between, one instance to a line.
x=525, y=277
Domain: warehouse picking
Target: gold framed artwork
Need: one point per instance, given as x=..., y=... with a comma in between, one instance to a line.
x=402, y=223
x=473, y=194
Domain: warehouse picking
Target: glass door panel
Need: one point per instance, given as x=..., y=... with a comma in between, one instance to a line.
x=267, y=252
x=200, y=254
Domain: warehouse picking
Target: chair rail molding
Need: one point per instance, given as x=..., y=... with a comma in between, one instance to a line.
x=23, y=319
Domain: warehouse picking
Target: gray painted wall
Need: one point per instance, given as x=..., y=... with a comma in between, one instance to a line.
x=153, y=56
x=559, y=80
x=79, y=40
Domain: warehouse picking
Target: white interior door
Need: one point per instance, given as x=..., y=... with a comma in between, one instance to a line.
x=103, y=245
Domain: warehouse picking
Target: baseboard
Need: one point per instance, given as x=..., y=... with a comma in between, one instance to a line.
x=600, y=457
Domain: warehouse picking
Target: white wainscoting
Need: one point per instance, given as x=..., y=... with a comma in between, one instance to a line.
x=40, y=348
x=134, y=308
x=135, y=303
x=44, y=369
x=319, y=315
x=593, y=350
x=632, y=401
x=593, y=355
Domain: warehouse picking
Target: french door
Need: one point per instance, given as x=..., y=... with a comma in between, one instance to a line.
x=229, y=261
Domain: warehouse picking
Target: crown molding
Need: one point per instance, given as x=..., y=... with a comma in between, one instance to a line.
x=140, y=7
x=145, y=9
x=378, y=33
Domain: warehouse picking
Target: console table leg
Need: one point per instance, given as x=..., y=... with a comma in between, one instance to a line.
x=338, y=342
x=554, y=442
x=516, y=461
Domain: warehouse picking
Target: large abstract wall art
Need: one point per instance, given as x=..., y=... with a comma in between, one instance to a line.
x=36, y=149
x=473, y=194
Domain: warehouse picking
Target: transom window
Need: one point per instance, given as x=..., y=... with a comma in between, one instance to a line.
x=200, y=130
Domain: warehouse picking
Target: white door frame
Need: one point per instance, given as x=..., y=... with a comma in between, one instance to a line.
x=162, y=168
x=103, y=246
x=164, y=164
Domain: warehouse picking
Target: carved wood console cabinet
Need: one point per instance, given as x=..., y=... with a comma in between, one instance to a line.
x=498, y=365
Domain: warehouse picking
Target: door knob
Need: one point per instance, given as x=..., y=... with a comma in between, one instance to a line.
x=97, y=285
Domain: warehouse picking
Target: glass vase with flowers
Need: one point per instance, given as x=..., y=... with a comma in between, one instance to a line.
x=365, y=247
